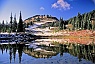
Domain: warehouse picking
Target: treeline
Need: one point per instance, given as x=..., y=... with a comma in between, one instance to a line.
x=79, y=22
x=12, y=26
x=5, y=27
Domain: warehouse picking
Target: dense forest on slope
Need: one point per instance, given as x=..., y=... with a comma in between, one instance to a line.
x=79, y=22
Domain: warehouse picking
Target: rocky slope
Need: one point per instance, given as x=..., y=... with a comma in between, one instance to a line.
x=41, y=19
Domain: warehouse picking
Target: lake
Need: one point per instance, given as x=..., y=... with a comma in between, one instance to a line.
x=42, y=51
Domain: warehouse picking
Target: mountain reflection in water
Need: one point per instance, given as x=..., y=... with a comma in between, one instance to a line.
x=17, y=53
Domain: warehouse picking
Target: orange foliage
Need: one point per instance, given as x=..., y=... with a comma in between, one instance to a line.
x=82, y=33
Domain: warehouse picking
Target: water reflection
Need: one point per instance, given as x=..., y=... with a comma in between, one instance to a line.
x=80, y=51
x=63, y=40
x=12, y=50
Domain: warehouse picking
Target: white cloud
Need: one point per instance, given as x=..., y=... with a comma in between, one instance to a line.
x=55, y=5
x=42, y=8
x=94, y=1
x=61, y=4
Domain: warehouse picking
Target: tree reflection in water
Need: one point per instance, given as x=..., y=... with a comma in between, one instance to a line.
x=13, y=48
x=78, y=50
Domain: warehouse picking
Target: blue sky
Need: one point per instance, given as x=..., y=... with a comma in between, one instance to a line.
x=57, y=8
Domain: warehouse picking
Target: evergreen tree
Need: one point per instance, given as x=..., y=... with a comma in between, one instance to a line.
x=6, y=26
x=79, y=20
x=61, y=24
x=88, y=21
x=0, y=27
x=3, y=26
x=84, y=22
x=3, y=23
x=73, y=22
x=38, y=19
x=93, y=14
x=20, y=24
x=11, y=22
x=14, y=24
x=31, y=23
x=77, y=23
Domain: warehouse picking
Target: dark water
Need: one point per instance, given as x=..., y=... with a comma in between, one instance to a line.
x=41, y=54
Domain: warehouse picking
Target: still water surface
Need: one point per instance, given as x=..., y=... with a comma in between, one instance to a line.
x=47, y=54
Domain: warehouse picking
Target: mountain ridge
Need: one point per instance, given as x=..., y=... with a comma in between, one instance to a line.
x=37, y=18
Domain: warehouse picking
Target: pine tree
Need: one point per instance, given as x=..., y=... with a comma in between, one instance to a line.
x=38, y=19
x=75, y=23
x=0, y=27
x=79, y=20
x=61, y=24
x=6, y=26
x=11, y=22
x=84, y=21
x=3, y=26
x=14, y=24
x=88, y=21
x=20, y=24
x=93, y=14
